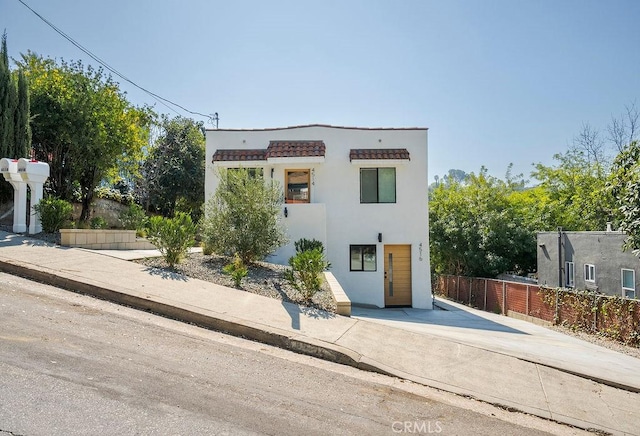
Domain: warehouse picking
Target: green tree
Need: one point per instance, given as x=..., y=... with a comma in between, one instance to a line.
x=173, y=172
x=475, y=230
x=242, y=216
x=6, y=110
x=576, y=194
x=15, y=131
x=624, y=186
x=83, y=126
x=22, y=130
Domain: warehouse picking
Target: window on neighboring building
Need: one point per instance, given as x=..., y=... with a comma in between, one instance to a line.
x=298, y=185
x=570, y=274
x=363, y=257
x=628, y=283
x=589, y=273
x=377, y=185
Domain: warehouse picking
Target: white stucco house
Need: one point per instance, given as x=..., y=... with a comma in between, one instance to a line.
x=361, y=191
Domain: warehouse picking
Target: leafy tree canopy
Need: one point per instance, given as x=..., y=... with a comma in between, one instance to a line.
x=624, y=187
x=476, y=230
x=173, y=172
x=82, y=125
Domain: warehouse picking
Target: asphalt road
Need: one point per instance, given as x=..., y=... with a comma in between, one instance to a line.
x=74, y=365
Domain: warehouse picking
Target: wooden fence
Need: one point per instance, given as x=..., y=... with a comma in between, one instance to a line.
x=615, y=317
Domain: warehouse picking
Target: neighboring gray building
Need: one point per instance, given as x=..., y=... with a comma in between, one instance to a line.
x=588, y=260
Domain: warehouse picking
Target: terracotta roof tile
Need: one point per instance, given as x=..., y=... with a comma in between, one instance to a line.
x=238, y=155
x=295, y=149
x=378, y=153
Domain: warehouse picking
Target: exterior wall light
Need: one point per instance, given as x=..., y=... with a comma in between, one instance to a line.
x=286, y=212
x=379, y=237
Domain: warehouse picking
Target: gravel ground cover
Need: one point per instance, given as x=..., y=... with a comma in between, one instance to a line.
x=268, y=280
x=264, y=278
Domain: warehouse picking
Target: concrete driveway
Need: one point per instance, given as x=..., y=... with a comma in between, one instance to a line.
x=512, y=337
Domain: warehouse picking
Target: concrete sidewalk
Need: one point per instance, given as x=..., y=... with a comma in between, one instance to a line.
x=501, y=361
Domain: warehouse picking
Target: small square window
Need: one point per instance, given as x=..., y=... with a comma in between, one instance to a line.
x=589, y=273
x=362, y=258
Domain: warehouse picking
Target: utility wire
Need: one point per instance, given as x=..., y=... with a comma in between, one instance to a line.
x=160, y=99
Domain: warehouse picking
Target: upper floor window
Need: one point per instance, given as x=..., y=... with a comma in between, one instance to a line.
x=377, y=185
x=297, y=182
x=589, y=273
x=628, y=283
x=251, y=172
x=570, y=274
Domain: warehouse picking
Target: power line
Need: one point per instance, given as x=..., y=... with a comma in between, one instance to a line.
x=160, y=99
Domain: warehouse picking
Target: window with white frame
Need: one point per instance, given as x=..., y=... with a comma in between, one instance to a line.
x=628, y=283
x=570, y=274
x=589, y=273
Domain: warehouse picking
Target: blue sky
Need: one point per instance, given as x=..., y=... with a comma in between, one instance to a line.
x=494, y=81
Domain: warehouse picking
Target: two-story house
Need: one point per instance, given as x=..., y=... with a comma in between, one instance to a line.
x=362, y=192
x=593, y=261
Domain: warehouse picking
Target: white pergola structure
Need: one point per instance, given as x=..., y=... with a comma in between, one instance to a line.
x=23, y=173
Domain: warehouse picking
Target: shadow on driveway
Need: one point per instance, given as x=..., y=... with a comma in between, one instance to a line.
x=439, y=316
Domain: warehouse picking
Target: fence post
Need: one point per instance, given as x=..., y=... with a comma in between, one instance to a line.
x=458, y=289
x=470, y=289
x=527, y=302
x=556, y=318
x=485, y=295
x=596, y=300
x=504, y=297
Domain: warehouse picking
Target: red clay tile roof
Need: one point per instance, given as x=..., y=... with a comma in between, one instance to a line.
x=378, y=153
x=238, y=155
x=295, y=149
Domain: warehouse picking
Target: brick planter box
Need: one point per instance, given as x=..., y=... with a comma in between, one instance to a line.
x=104, y=239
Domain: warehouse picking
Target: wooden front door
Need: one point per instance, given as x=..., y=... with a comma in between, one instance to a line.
x=397, y=275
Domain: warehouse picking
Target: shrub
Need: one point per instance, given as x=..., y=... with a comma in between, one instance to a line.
x=308, y=245
x=54, y=213
x=172, y=236
x=242, y=217
x=98, y=222
x=304, y=274
x=134, y=218
x=207, y=250
x=237, y=270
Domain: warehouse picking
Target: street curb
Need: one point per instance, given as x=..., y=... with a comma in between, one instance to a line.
x=272, y=336
x=220, y=322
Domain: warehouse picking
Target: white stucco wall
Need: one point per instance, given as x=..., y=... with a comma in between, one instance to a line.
x=335, y=215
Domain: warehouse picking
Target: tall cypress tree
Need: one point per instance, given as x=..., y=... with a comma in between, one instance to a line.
x=6, y=112
x=22, y=129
